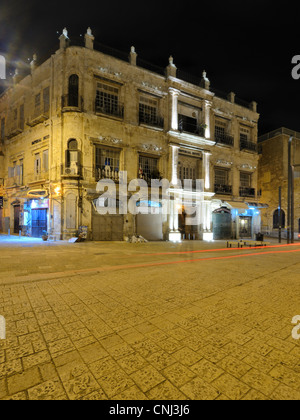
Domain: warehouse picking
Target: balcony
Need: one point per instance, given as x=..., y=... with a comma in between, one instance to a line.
x=223, y=189
x=187, y=125
x=15, y=181
x=224, y=139
x=72, y=171
x=151, y=120
x=248, y=145
x=71, y=103
x=107, y=173
x=113, y=110
x=41, y=114
x=247, y=192
x=17, y=127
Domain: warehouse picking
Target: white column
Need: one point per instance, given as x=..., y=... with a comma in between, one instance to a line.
x=174, y=118
x=175, y=156
x=208, y=106
x=206, y=170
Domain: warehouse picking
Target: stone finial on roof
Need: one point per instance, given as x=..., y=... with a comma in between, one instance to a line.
x=64, y=39
x=89, y=39
x=132, y=56
x=171, y=69
x=205, y=83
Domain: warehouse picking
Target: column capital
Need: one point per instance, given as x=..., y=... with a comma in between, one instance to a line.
x=208, y=103
x=174, y=92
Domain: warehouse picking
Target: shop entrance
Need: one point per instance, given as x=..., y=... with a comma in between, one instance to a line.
x=17, y=219
x=245, y=227
x=39, y=222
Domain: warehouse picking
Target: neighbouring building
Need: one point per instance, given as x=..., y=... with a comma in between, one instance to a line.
x=273, y=174
x=87, y=114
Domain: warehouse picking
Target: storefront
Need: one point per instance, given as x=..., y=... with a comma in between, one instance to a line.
x=36, y=213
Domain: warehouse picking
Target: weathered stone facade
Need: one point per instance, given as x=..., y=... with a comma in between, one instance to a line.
x=273, y=174
x=83, y=115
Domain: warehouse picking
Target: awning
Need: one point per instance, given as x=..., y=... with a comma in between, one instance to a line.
x=237, y=205
x=41, y=193
x=258, y=205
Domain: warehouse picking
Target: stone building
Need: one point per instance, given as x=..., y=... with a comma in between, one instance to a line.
x=86, y=115
x=273, y=174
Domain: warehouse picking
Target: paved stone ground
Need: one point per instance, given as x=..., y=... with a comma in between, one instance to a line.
x=126, y=321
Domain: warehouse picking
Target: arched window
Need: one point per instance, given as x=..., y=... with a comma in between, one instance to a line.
x=73, y=156
x=73, y=92
x=277, y=223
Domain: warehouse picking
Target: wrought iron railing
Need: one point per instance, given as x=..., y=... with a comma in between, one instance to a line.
x=247, y=192
x=110, y=109
x=224, y=139
x=154, y=121
x=188, y=127
x=248, y=145
x=223, y=189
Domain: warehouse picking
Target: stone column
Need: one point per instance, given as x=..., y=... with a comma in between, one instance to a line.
x=174, y=167
x=208, y=106
x=206, y=170
x=174, y=109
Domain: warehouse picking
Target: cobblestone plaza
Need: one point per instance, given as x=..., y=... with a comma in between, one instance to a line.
x=154, y=321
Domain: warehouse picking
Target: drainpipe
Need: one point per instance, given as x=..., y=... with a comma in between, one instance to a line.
x=290, y=230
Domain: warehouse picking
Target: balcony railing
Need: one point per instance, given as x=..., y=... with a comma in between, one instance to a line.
x=191, y=128
x=40, y=114
x=15, y=181
x=113, y=110
x=153, y=121
x=71, y=171
x=247, y=192
x=16, y=128
x=107, y=173
x=71, y=102
x=223, y=189
x=248, y=145
x=224, y=139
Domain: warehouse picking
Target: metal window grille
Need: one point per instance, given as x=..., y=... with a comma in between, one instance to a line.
x=148, y=110
x=245, y=180
x=221, y=177
x=107, y=98
x=148, y=167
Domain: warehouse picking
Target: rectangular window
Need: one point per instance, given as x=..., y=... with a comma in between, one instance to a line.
x=220, y=128
x=148, y=168
x=221, y=176
x=46, y=99
x=107, y=163
x=37, y=102
x=22, y=118
x=107, y=100
x=37, y=164
x=2, y=133
x=45, y=160
x=245, y=180
x=245, y=134
x=148, y=110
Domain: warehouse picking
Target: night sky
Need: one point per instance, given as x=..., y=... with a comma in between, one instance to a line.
x=245, y=46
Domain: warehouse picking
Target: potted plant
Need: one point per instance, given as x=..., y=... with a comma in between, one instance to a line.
x=45, y=236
